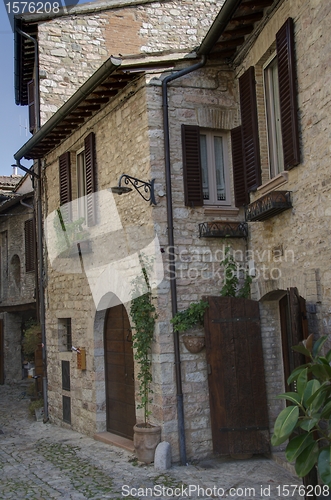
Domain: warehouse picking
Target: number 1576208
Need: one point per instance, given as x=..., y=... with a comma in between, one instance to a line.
x=33, y=7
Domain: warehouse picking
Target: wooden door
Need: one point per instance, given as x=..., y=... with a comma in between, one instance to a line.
x=2, y=360
x=238, y=404
x=121, y=416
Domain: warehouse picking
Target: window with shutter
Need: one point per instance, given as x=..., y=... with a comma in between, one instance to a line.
x=65, y=185
x=90, y=171
x=30, y=255
x=287, y=94
x=239, y=178
x=249, y=128
x=31, y=105
x=205, y=167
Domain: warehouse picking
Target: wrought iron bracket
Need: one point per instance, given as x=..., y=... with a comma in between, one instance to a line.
x=145, y=189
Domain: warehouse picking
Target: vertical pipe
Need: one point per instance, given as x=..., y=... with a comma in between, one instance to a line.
x=172, y=267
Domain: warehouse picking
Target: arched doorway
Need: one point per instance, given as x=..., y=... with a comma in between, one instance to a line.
x=119, y=373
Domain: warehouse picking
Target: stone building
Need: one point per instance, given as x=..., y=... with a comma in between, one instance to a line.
x=227, y=141
x=17, y=273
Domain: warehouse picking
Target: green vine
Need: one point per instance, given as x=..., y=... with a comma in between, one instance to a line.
x=143, y=318
x=190, y=317
x=230, y=286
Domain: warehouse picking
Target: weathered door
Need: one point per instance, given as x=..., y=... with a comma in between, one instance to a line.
x=294, y=329
x=237, y=393
x=2, y=361
x=119, y=373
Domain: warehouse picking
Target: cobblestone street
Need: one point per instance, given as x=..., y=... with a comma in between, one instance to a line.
x=42, y=462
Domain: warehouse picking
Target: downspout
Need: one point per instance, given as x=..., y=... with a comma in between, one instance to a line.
x=172, y=268
x=40, y=256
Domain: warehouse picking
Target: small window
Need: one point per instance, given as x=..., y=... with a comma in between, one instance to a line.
x=65, y=335
x=275, y=143
x=205, y=167
x=215, y=187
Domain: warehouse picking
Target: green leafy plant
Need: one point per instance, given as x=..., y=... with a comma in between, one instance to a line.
x=306, y=423
x=35, y=405
x=190, y=317
x=230, y=287
x=31, y=338
x=143, y=318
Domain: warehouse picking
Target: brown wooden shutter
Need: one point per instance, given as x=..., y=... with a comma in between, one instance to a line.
x=239, y=178
x=250, y=133
x=90, y=163
x=192, y=166
x=65, y=183
x=287, y=94
x=30, y=260
x=32, y=108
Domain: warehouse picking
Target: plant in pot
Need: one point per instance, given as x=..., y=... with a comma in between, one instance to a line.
x=146, y=435
x=306, y=422
x=188, y=320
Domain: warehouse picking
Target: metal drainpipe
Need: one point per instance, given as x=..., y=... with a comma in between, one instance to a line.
x=39, y=227
x=172, y=268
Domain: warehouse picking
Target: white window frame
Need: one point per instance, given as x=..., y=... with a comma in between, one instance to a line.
x=273, y=124
x=81, y=183
x=211, y=167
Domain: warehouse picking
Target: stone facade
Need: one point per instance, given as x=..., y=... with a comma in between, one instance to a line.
x=72, y=47
x=294, y=247
x=288, y=250
x=17, y=286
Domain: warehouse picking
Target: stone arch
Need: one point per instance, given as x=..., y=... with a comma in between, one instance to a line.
x=106, y=302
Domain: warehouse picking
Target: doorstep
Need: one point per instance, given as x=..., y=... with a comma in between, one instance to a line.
x=109, y=438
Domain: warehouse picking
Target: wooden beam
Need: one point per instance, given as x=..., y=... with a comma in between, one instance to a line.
x=229, y=43
x=244, y=30
x=251, y=18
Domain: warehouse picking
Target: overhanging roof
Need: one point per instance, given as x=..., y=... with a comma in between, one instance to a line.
x=234, y=24
x=104, y=84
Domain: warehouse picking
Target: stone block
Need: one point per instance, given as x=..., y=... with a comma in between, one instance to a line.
x=162, y=457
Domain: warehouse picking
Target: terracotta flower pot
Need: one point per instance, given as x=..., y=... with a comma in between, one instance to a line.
x=145, y=440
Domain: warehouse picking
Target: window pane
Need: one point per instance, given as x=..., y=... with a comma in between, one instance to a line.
x=273, y=119
x=219, y=166
x=204, y=167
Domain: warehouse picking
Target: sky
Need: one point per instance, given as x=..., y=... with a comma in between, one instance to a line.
x=13, y=119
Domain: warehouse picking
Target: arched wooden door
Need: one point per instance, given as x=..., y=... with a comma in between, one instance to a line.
x=121, y=416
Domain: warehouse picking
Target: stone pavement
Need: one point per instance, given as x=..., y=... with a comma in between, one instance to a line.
x=42, y=462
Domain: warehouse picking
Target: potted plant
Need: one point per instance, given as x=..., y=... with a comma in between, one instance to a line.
x=146, y=435
x=306, y=422
x=188, y=320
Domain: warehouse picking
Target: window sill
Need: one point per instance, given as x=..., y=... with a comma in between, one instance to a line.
x=273, y=184
x=221, y=211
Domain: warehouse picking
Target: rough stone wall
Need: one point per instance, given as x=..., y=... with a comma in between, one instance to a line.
x=296, y=243
x=73, y=47
x=17, y=286
x=121, y=146
x=12, y=324
x=206, y=98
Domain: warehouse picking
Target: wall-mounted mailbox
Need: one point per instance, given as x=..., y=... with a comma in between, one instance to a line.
x=81, y=358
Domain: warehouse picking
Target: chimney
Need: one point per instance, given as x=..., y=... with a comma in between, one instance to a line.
x=15, y=170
